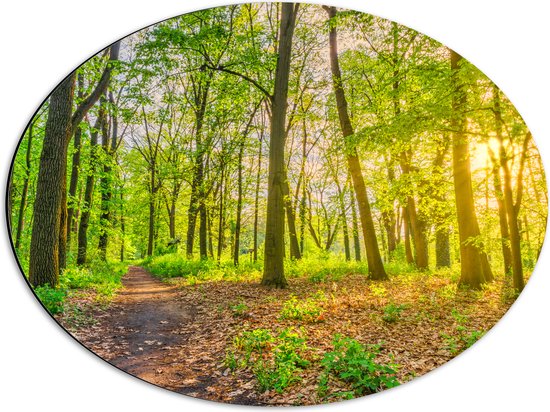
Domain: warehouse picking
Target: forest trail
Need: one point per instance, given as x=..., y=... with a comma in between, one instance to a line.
x=150, y=331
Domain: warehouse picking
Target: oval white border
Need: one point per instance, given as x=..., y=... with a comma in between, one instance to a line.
x=43, y=368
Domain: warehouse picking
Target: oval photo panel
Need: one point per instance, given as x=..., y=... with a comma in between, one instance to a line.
x=277, y=204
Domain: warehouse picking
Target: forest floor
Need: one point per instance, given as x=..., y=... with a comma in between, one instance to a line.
x=177, y=336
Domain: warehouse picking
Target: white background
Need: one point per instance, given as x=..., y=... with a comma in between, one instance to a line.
x=42, y=367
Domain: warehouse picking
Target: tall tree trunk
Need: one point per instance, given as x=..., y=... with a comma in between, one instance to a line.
x=407, y=228
x=221, y=214
x=62, y=240
x=256, y=201
x=475, y=269
x=82, y=239
x=442, y=230
x=210, y=237
x=72, y=204
x=105, y=183
x=122, y=226
x=193, y=206
x=197, y=189
x=343, y=217
x=502, y=218
x=355, y=226
x=511, y=211
x=236, y=249
x=25, y=190
x=417, y=225
x=442, y=248
x=203, y=231
x=375, y=265
x=61, y=123
x=152, y=207
x=44, y=257
x=275, y=220
x=291, y=220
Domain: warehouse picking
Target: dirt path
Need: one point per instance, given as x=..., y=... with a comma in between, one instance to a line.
x=151, y=331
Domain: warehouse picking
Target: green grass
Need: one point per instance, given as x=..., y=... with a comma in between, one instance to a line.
x=102, y=277
x=197, y=271
x=318, y=269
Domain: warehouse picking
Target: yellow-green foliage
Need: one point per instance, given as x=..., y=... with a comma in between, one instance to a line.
x=308, y=310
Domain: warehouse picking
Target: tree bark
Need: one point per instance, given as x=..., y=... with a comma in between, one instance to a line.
x=256, y=201
x=82, y=239
x=511, y=210
x=355, y=227
x=291, y=221
x=25, y=190
x=274, y=234
x=48, y=207
x=236, y=250
x=475, y=270
x=375, y=265
x=502, y=218
x=417, y=225
x=407, y=235
x=72, y=204
x=44, y=257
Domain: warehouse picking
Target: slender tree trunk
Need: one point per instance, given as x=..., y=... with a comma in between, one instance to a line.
x=82, y=247
x=25, y=190
x=417, y=225
x=343, y=217
x=256, y=201
x=502, y=218
x=210, y=237
x=72, y=204
x=236, y=250
x=375, y=265
x=355, y=225
x=291, y=220
x=407, y=225
x=511, y=211
x=274, y=232
x=203, y=241
x=442, y=230
x=152, y=207
x=475, y=269
x=105, y=184
x=221, y=214
x=194, y=205
x=122, y=227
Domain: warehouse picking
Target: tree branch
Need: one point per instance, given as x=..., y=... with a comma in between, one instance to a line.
x=100, y=88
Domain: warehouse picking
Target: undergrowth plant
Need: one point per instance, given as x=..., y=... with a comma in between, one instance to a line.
x=52, y=298
x=392, y=312
x=461, y=338
x=356, y=364
x=307, y=310
x=275, y=359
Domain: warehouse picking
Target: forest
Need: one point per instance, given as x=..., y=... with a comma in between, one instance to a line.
x=277, y=204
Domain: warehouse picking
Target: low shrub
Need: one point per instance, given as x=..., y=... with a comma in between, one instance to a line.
x=307, y=310
x=274, y=359
x=461, y=338
x=392, y=312
x=356, y=364
x=52, y=298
